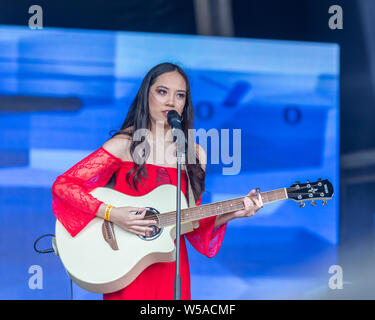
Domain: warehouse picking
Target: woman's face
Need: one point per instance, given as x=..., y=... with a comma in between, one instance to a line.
x=167, y=93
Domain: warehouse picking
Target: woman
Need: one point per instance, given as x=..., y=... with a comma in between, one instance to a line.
x=138, y=167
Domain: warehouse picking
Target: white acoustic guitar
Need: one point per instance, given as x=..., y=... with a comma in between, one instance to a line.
x=104, y=258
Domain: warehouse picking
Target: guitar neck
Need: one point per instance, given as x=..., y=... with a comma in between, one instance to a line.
x=218, y=208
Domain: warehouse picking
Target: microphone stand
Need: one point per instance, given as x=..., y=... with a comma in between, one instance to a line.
x=180, y=153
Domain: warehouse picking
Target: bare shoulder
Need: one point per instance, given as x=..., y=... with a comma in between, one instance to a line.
x=119, y=146
x=201, y=155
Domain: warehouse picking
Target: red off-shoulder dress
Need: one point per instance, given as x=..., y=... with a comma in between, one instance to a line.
x=74, y=207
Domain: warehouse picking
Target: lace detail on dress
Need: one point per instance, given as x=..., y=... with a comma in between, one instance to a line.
x=162, y=176
x=72, y=204
x=205, y=240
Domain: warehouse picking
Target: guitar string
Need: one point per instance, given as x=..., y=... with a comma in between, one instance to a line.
x=169, y=218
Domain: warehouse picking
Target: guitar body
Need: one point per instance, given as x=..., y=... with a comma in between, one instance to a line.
x=95, y=266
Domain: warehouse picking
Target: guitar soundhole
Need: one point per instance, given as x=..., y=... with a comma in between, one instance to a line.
x=155, y=230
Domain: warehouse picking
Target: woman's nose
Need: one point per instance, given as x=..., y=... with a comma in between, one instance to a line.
x=171, y=101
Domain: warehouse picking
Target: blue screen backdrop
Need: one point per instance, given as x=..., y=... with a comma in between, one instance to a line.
x=63, y=90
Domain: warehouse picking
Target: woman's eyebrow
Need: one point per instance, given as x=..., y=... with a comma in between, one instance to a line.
x=168, y=88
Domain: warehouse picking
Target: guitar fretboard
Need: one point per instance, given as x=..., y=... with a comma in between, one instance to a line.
x=217, y=208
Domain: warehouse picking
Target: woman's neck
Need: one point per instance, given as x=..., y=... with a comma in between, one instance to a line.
x=161, y=133
x=162, y=149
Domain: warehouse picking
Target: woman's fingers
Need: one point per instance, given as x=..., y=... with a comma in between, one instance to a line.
x=257, y=200
x=143, y=222
x=140, y=229
x=258, y=203
x=240, y=213
x=252, y=204
x=141, y=212
x=252, y=192
x=249, y=206
x=138, y=219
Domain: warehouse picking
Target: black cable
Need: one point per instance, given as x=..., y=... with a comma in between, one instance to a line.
x=71, y=289
x=43, y=251
x=49, y=251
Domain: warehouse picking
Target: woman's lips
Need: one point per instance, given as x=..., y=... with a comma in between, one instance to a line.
x=165, y=113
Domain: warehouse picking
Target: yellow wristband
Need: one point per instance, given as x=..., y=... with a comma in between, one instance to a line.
x=107, y=212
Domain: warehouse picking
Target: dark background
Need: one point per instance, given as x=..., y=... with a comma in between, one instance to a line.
x=300, y=20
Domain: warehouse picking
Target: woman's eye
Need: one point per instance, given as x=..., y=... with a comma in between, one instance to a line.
x=162, y=91
x=181, y=95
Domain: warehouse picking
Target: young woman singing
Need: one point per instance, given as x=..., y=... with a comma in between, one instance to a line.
x=137, y=171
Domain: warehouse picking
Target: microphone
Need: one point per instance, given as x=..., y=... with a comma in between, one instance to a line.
x=174, y=120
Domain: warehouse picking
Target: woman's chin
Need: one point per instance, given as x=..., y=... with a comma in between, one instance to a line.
x=160, y=123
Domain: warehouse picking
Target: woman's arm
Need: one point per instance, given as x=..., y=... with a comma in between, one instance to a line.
x=72, y=203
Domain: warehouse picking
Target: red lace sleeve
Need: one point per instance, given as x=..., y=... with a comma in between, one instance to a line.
x=72, y=204
x=206, y=239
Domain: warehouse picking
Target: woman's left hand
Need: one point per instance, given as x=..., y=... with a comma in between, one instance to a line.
x=252, y=205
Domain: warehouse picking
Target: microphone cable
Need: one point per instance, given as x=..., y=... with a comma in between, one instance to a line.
x=50, y=250
x=46, y=250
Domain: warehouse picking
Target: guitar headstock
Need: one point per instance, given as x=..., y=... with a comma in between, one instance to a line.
x=310, y=191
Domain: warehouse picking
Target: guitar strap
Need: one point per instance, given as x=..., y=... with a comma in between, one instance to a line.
x=191, y=199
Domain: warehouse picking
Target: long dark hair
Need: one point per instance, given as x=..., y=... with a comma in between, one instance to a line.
x=138, y=117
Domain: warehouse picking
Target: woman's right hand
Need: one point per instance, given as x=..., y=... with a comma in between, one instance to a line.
x=127, y=219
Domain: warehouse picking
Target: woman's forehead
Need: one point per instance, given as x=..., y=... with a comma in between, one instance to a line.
x=171, y=80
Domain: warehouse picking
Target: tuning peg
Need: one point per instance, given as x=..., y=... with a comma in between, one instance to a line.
x=324, y=202
x=302, y=205
x=313, y=203
x=307, y=181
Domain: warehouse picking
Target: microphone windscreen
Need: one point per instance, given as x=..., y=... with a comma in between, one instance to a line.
x=174, y=119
